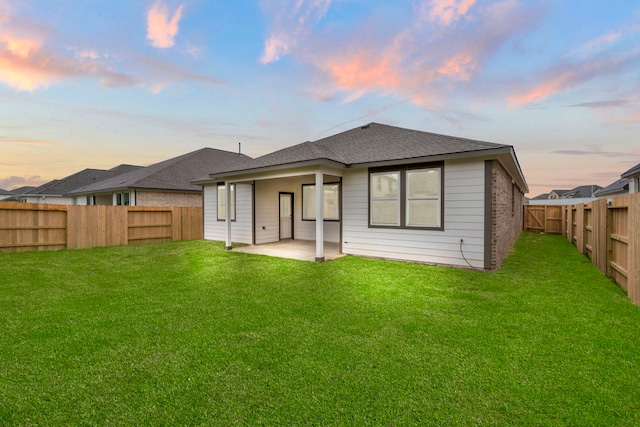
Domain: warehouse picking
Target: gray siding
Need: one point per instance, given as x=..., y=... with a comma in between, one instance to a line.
x=241, y=228
x=463, y=219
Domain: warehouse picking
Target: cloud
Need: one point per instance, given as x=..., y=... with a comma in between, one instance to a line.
x=602, y=104
x=445, y=12
x=14, y=141
x=291, y=24
x=13, y=182
x=419, y=62
x=567, y=75
x=161, y=27
x=31, y=58
x=599, y=153
x=610, y=54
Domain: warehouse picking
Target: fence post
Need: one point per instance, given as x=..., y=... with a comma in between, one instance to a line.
x=633, y=281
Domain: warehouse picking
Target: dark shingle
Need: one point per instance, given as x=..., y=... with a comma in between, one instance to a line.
x=633, y=171
x=172, y=174
x=367, y=144
x=620, y=186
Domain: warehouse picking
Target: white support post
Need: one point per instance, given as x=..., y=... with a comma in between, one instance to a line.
x=319, y=217
x=227, y=214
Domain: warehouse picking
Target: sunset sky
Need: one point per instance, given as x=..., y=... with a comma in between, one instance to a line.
x=93, y=84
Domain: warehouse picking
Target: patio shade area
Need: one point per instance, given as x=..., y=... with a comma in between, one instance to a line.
x=303, y=250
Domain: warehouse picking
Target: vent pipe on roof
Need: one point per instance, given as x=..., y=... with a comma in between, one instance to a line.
x=239, y=147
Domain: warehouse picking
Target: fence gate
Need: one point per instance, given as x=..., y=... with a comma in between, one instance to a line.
x=543, y=218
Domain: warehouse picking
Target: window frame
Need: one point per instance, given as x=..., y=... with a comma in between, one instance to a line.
x=120, y=198
x=339, y=200
x=402, y=195
x=232, y=188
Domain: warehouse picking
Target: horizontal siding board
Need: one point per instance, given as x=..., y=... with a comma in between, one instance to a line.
x=463, y=219
x=241, y=228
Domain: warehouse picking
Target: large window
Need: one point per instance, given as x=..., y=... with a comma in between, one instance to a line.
x=222, y=200
x=407, y=197
x=331, y=198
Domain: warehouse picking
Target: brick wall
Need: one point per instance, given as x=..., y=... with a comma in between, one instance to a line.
x=167, y=198
x=506, y=213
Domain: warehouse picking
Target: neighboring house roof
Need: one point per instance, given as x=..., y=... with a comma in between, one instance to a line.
x=543, y=196
x=633, y=171
x=368, y=145
x=620, y=186
x=3, y=191
x=174, y=174
x=22, y=190
x=583, y=191
x=580, y=192
x=79, y=179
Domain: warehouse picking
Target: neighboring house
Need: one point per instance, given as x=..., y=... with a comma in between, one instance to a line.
x=16, y=194
x=55, y=192
x=167, y=183
x=628, y=183
x=580, y=194
x=4, y=194
x=615, y=189
x=388, y=192
x=633, y=175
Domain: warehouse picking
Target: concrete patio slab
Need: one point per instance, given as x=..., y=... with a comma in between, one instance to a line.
x=303, y=250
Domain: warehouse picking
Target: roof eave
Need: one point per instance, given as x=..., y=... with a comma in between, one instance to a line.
x=216, y=177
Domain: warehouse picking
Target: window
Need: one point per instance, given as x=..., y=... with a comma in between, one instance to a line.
x=222, y=199
x=122, y=199
x=385, y=199
x=408, y=197
x=331, y=207
x=423, y=197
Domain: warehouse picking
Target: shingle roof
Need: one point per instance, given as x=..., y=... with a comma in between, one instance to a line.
x=633, y=171
x=543, y=196
x=80, y=179
x=172, y=174
x=583, y=191
x=367, y=144
x=620, y=186
x=22, y=190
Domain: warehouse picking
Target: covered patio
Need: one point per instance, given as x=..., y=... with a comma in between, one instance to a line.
x=303, y=250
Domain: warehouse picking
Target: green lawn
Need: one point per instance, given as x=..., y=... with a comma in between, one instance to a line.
x=189, y=334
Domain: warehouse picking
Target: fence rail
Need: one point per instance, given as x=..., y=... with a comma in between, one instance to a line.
x=31, y=226
x=606, y=231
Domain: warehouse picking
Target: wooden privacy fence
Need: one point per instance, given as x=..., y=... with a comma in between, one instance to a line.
x=31, y=226
x=608, y=233
x=543, y=218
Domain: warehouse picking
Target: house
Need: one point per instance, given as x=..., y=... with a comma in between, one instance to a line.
x=633, y=175
x=580, y=194
x=615, y=189
x=387, y=192
x=628, y=183
x=54, y=192
x=4, y=194
x=15, y=195
x=167, y=183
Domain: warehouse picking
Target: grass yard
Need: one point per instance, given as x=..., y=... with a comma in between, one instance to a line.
x=189, y=334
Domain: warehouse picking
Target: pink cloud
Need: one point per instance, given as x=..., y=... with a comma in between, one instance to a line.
x=419, y=63
x=568, y=75
x=446, y=12
x=292, y=22
x=161, y=27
